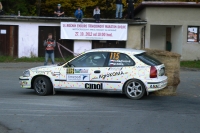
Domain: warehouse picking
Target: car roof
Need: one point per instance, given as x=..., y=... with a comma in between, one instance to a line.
x=121, y=50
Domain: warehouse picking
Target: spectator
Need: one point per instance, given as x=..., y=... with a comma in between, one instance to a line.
x=79, y=14
x=119, y=8
x=58, y=12
x=1, y=9
x=49, y=49
x=96, y=14
x=130, y=4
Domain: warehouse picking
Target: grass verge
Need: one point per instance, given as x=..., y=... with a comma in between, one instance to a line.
x=190, y=64
x=32, y=59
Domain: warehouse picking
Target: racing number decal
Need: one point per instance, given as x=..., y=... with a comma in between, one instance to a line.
x=114, y=56
x=70, y=70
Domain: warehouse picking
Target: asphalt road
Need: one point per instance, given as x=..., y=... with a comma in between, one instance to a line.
x=21, y=111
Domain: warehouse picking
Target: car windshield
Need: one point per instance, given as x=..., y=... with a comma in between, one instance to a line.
x=148, y=59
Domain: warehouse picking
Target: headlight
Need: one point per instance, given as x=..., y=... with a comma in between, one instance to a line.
x=26, y=73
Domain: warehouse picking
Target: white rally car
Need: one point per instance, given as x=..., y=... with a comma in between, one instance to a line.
x=129, y=71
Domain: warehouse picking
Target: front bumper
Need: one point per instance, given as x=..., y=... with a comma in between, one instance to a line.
x=25, y=82
x=157, y=84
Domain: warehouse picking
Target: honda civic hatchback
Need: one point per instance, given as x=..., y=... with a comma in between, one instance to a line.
x=128, y=71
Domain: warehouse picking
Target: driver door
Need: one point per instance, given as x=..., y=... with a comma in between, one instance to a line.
x=81, y=72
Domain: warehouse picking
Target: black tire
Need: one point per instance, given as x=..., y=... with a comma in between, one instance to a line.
x=134, y=89
x=42, y=86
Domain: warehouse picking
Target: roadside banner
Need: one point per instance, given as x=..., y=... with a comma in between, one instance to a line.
x=94, y=31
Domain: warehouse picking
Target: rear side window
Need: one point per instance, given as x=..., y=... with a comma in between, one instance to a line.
x=120, y=59
x=148, y=59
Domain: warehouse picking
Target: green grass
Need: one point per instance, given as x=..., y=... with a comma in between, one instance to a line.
x=190, y=64
x=32, y=59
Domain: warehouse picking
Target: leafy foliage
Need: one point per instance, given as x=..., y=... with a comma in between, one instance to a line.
x=107, y=7
x=46, y=7
x=11, y=7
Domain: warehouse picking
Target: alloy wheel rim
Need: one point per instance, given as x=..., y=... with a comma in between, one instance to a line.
x=40, y=86
x=134, y=89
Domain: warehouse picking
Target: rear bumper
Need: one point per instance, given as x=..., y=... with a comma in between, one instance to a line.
x=25, y=82
x=156, y=84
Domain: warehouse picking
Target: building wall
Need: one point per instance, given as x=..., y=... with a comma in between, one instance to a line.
x=142, y=14
x=27, y=36
x=177, y=39
x=158, y=37
x=191, y=51
x=134, y=36
x=174, y=16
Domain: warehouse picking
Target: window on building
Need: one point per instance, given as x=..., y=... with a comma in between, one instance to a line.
x=193, y=34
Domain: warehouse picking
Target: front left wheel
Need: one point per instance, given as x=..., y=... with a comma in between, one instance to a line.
x=42, y=86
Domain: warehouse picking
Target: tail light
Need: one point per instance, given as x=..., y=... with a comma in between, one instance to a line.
x=153, y=72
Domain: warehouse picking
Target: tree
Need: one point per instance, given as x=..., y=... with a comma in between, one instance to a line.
x=46, y=7
x=107, y=7
x=11, y=7
x=69, y=6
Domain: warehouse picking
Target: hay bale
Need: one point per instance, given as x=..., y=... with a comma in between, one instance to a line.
x=172, y=69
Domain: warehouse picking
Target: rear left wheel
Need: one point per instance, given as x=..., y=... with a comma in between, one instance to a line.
x=43, y=86
x=134, y=89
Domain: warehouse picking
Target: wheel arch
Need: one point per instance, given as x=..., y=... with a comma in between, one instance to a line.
x=123, y=91
x=33, y=79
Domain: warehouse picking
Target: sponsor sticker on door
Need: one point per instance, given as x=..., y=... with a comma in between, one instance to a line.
x=81, y=70
x=94, y=86
x=78, y=77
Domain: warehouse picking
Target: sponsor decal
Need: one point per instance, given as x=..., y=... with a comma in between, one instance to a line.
x=103, y=76
x=40, y=72
x=115, y=68
x=116, y=64
x=55, y=73
x=70, y=70
x=95, y=77
x=81, y=71
x=78, y=77
x=120, y=61
x=94, y=86
x=114, y=56
x=154, y=86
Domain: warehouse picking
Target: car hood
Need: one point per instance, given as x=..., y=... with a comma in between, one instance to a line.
x=43, y=68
